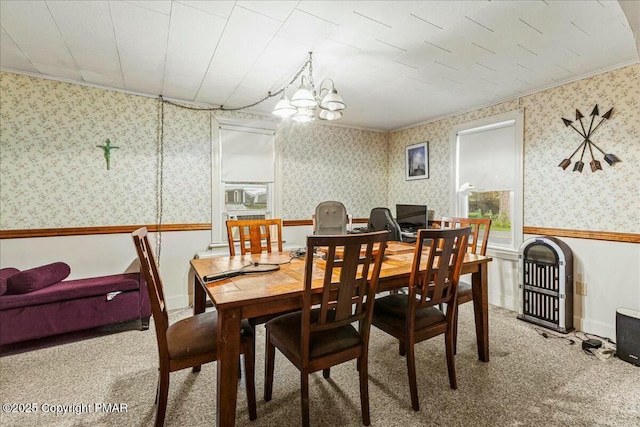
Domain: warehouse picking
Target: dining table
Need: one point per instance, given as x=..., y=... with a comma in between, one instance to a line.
x=246, y=286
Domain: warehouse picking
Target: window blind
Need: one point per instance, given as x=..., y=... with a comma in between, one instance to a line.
x=486, y=157
x=246, y=155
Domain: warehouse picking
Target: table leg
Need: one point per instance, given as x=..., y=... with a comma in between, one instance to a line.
x=228, y=355
x=199, y=297
x=480, y=291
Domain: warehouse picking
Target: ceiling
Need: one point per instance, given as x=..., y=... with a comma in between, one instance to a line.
x=395, y=63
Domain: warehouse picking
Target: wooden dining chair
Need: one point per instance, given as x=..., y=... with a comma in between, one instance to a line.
x=187, y=343
x=477, y=244
x=254, y=235
x=416, y=317
x=321, y=336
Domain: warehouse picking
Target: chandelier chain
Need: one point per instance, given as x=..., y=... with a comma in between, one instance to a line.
x=269, y=94
x=159, y=189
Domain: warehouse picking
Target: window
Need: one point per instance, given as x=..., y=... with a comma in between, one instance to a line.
x=487, y=175
x=245, y=173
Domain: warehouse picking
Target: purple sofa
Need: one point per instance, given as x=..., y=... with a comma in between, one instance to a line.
x=38, y=303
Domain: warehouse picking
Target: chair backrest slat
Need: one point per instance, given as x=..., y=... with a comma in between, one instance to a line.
x=349, y=282
x=436, y=281
x=254, y=235
x=479, y=235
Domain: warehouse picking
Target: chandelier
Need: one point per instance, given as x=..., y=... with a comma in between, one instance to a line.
x=306, y=103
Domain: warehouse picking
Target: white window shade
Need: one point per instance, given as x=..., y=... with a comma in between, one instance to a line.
x=247, y=155
x=486, y=158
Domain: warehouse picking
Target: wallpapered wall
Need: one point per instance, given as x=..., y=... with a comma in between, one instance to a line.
x=554, y=198
x=54, y=176
x=332, y=163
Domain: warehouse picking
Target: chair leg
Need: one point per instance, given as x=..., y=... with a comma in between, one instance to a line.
x=326, y=373
x=269, y=361
x=455, y=334
x=196, y=369
x=364, y=390
x=304, y=397
x=401, y=348
x=411, y=371
x=162, y=395
x=249, y=374
x=451, y=363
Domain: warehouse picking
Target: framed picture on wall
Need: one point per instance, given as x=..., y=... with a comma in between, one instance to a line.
x=417, y=161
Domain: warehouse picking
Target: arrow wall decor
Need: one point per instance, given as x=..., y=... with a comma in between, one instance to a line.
x=586, y=135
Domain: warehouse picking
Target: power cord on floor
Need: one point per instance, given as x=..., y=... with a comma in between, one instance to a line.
x=546, y=334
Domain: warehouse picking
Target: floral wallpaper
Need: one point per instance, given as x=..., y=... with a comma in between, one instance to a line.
x=553, y=197
x=54, y=176
x=323, y=162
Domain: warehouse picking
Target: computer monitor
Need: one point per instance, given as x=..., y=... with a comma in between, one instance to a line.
x=411, y=217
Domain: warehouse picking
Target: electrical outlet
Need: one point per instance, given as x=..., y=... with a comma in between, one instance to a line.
x=581, y=288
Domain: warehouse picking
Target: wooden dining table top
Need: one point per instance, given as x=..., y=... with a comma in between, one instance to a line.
x=288, y=278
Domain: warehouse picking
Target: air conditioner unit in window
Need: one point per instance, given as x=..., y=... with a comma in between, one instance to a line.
x=247, y=216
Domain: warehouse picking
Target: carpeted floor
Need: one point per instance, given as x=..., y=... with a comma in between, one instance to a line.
x=530, y=381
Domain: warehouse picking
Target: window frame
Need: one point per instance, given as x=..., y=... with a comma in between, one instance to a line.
x=517, y=216
x=218, y=209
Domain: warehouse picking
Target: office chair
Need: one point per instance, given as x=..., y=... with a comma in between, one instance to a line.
x=330, y=218
x=381, y=219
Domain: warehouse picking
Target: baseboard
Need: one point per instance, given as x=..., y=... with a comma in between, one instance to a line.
x=504, y=301
x=597, y=328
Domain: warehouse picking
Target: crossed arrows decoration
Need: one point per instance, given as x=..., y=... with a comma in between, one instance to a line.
x=595, y=164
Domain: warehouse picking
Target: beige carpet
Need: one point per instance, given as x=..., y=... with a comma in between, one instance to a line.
x=530, y=381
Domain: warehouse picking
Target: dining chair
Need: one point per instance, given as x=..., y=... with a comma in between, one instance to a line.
x=477, y=244
x=330, y=218
x=187, y=343
x=254, y=235
x=381, y=219
x=416, y=316
x=321, y=335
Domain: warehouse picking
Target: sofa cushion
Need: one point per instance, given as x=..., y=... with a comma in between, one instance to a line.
x=37, y=278
x=5, y=273
x=74, y=289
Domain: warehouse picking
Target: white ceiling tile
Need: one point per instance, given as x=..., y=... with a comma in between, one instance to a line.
x=31, y=27
x=279, y=10
x=113, y=79
x=141, y=64
x=329, y=11
x=58, y=71
x=177, y=91
x=11, y=57
x=417, y=59
x=159, y=6
x=140, y=31
x=193, y=38
x=306, y=29
x=85, y=26
x=97, y=62
x=144, y=82
x=219, y=8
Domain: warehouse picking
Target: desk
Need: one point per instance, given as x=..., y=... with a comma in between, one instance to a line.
x=250, y=295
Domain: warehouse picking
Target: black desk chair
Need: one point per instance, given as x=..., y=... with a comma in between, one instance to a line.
x=381, y=219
